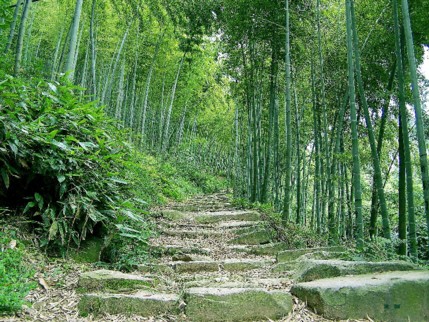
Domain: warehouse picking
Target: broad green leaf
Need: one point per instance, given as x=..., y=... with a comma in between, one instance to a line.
x=53, y=230
x=39, y=200
x=29, y=205
x=5, y=177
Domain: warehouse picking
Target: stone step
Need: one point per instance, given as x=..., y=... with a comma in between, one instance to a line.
x=108, y=281
x=237, y=224
x=256, y=237
x=240, y=282
x=292, y=254
x=191, y=234
x=142, y=303
x=236, y=304
x=267, y=249
x=222, y=216
x=170, y=250
x=229, y=265
x=394, y=296
x=309, y=270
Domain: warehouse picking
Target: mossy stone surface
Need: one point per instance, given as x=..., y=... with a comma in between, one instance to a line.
x=256, y=237
x=239, y=265
x=393, y=296
x=267, y=249
x=104, y=280
x=196, y=266
x=292, y=254
x=309, y=270
x=142, y=303
x=222, y=216
x=89, y=252
x=236, y=304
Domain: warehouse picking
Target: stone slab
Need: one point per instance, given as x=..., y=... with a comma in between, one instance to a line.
x=105, y=280
x=267, y=249
x=236, y=304
x=292, y=254
x=229, y=265
x=238, y=224
x=222, y=216
x=393, y=296
x=256, y=237
x=312, y=269
x=142, y=303
x=192, y=233
x=237, y=265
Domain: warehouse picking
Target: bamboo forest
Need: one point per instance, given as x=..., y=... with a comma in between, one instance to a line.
x=214, y=160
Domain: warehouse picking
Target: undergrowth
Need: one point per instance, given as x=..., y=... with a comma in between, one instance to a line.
x=16, y=275
x=74, y=174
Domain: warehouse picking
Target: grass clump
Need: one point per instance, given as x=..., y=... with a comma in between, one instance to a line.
x=15, y=274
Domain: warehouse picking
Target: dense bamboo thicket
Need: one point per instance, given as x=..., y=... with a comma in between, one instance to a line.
x=313, y=107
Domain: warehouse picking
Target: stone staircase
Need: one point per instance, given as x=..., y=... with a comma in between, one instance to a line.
x=218, y=263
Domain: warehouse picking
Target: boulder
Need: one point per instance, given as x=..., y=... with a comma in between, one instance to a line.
x=393, y=296
x=313, y=269
x=236, y=304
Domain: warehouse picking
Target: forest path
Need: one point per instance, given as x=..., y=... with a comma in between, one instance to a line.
x=213, y=263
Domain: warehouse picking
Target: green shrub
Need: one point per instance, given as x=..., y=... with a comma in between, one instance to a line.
x=15, y=276
x=62, y=163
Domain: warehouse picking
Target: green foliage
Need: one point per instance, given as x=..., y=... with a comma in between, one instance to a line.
x=62, y=162
x=15, y=275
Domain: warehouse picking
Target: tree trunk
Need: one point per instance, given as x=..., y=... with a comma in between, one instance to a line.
x=73, y=40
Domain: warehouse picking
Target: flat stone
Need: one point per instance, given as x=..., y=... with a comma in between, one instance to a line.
x=266, y=283
x=174, y=215
x=256, y=237
x=155, y=268
x=393, y=296
x=197, y=266
x=229, y=265
x=292, y=254
x=104, y=280
x=237, y=224
x=171, y=250
x=310, y=270
x=285, y=267
x=237, y=265
x=236, y=304
x=142, y=303
x=267, y=249
x=235, y=215
x=192, y=233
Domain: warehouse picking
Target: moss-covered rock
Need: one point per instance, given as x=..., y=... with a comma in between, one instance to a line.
x=236, y=304
x=142, y=303
x=104, y=280
x=392, y=296
x=239, y=265
x=89, y=251
x=292, y=254
x=309, y=270
x=256, y=237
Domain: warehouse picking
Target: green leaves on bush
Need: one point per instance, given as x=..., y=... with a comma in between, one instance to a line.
x=62, y=162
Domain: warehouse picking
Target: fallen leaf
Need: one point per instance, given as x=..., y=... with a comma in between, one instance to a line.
x=12, y=244
x=43, y=283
